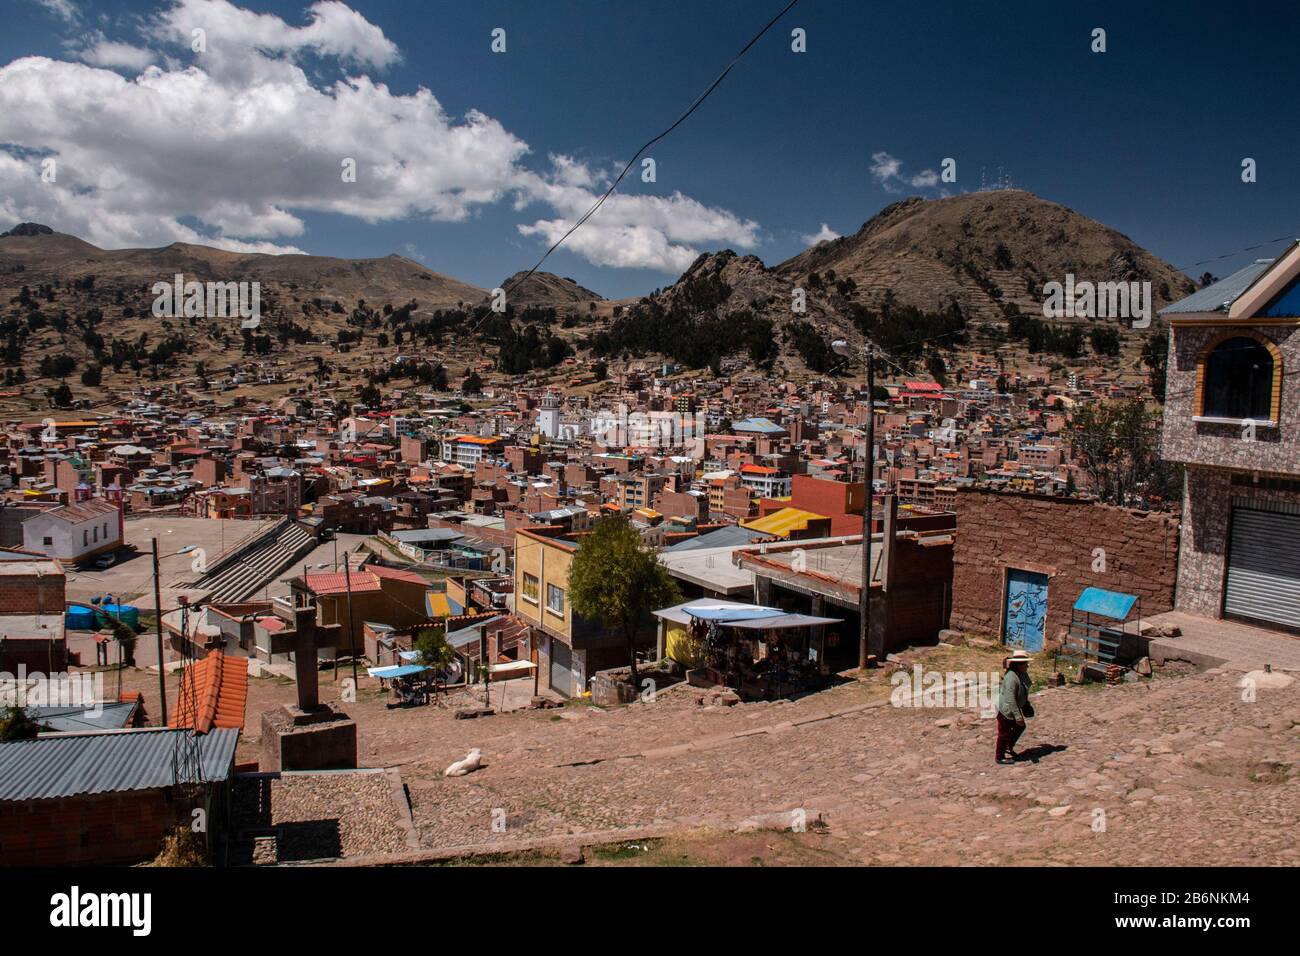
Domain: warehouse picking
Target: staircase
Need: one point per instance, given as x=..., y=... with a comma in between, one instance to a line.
x=257, y=568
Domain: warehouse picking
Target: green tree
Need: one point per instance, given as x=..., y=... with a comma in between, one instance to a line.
x=616, y=580
x=1117, y=445
x=16, y=725
x=472, y=384
x=432, y=649
x=937, y=368
x=1155, y=356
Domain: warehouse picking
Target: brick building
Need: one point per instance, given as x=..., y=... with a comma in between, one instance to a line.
x=1012, y=545
x=1230, y=417
x=99, y=799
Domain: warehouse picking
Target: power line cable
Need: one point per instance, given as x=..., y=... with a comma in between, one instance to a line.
x=699, y=100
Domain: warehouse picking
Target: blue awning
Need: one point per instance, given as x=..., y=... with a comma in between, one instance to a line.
x=396, y=670
x=734, y=613
x=1112, y=604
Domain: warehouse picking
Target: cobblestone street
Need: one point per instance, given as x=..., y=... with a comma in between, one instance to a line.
x=1179, y=772
x=1175, y=771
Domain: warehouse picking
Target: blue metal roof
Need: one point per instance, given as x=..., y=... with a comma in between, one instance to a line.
x=1112, y=604
x=110, y=715
x=71, y=764
x=762, y=425
x=732, y=536
x=1219, y=296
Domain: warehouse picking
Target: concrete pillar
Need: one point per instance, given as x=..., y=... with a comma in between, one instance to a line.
x=889, y=551
x=304, y=654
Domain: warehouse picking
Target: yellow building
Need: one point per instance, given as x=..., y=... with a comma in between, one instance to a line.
x=570, y=649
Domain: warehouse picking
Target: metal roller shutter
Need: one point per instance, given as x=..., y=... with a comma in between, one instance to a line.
x=1264, y=567
x=561, y=668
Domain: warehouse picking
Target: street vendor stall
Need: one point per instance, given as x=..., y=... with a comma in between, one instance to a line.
x=408, y=683
x=761, y=652
x=1103, y=631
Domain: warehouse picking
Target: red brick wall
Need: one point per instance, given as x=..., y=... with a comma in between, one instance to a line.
x=1057, y=536
x=28, y=594
x=103, y=828
x=36, y=654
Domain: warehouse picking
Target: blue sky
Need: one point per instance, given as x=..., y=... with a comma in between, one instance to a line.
x=1147, y=137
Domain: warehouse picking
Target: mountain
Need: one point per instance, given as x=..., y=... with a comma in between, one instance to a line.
x=545, y=290
x=44, y=255
x=27, y=229
x=982, y=250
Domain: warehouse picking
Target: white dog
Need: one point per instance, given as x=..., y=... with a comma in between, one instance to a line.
x=468, y=765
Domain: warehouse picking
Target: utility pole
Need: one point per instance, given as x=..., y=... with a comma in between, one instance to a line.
x=869, y=463
x=157, y=617
x=352, y=637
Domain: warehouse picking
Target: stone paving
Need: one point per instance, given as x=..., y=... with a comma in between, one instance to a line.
x=1208, y=641
x=1177, y=772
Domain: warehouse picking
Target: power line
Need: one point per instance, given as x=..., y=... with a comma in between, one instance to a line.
x=1229, y=255
x=699, y=100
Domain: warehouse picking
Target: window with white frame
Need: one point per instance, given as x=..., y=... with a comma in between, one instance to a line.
x=532, y=587
x=554, y=599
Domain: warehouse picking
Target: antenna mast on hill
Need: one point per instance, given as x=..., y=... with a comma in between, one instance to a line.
x=1003, y=180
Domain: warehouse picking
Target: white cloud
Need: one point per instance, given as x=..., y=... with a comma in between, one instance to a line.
x=887, y=170
x=63, y=9
x=115, y=55
x=233, y=145
x=234, y=34
x=629, y=231
x=824, y=234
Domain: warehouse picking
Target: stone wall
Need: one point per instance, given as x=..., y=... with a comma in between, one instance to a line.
x=1220, y=444
x=1059, y=537
x=1207, y=511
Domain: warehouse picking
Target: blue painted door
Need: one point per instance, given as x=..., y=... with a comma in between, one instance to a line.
x=1026, y=612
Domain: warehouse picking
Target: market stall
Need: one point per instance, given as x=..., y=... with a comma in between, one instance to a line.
x=408, y=682
x=761, y=652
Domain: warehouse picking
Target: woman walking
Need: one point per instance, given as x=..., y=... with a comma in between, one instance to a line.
x=1013, y=705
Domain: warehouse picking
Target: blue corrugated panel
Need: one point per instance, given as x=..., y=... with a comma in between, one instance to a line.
x=1220, y=295
x=65, y=766
x=1111, y=604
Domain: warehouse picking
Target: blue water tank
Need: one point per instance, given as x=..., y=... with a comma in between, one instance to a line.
x=127, y=613
x=79, y=619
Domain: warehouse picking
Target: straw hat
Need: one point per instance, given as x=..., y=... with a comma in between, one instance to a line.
x=1019, y=657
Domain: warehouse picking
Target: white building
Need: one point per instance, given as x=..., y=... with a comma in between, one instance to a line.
x=548, y=419
x=74, y=532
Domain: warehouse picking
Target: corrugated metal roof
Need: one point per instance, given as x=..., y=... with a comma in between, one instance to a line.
x=731, y=536
x=1220, y=296
x=72, y=764
x=782, y=522
x=108, y=715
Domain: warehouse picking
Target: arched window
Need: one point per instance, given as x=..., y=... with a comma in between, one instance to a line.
x=1237, y=379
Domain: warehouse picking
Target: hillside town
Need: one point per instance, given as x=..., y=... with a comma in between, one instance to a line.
x=442, y=437
x=283, y=569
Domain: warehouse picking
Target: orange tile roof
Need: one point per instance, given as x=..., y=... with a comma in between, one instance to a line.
x=335, y=582
x=396, y=574
x=477, y=440
x=213, y=693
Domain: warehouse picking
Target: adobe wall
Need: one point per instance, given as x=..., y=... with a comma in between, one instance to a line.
x=1058, y=537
